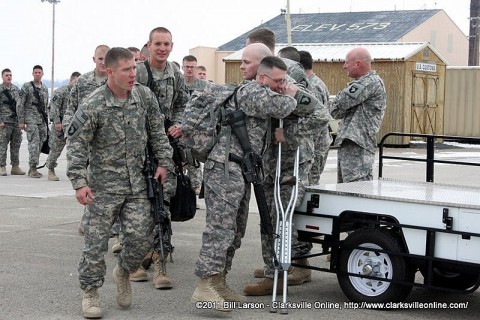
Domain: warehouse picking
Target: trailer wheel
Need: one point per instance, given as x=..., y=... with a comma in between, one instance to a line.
x=449, y=278
x=375, y=264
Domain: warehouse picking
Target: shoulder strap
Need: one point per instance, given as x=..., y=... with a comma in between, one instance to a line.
x=150, y=74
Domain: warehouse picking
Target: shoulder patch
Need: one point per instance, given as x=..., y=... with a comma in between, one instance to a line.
x=355, y=89
x=305, y=100
x=77, y=123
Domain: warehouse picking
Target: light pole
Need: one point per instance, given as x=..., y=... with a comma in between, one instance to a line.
x=53, y=2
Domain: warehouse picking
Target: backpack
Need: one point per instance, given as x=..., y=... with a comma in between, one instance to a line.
x=204, y=122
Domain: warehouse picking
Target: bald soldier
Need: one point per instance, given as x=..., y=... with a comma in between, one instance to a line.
x=361, y=106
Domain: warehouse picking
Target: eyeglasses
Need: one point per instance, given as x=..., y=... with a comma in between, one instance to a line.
x=279, y=82
x=189, y=67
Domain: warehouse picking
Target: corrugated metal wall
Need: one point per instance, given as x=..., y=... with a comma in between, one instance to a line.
x=462, y=101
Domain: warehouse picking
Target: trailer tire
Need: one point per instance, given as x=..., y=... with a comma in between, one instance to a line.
x=447, y=277
x=372, y=263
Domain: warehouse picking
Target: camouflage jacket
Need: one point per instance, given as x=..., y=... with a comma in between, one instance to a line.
x=7, y=113
x=58, y=104
x=361, y=106
x=320, y=90
x=259, y=104
x=116, y=134
x=84, y=86
x=196, y=85
x=27, y=110
x=171, y=91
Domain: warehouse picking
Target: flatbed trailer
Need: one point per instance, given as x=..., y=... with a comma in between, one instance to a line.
x=395, y=229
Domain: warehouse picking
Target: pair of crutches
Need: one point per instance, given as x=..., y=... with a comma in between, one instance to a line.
x=283, y=239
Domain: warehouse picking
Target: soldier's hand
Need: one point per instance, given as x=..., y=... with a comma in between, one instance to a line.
x=2, y=124
x=175, y=131
x=84, y=195
x=21, y=126
x=278, y=136
x=291, y=89
x=161, y=173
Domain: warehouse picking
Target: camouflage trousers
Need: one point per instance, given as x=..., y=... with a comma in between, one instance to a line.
x=354, y=163
x=10, y=134
x=299, y=248
x=168, y=191
x=196, y=176
x=227, y=200
x=56, y=143
x=137, y=226
x=36, y=135
x=322, y=145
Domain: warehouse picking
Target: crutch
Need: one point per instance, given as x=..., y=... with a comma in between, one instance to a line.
x=283, y=241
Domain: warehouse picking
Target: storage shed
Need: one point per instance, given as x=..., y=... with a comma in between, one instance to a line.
x=413, y=73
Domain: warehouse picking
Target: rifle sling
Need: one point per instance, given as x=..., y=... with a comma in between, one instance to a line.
x=39, y=104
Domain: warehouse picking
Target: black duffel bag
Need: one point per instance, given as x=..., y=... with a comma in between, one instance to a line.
x=184, y=204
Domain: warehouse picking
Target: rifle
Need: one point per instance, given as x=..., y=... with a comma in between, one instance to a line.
x=40, y=104
x=11, y=102
x=163, y=225
x=252, y=169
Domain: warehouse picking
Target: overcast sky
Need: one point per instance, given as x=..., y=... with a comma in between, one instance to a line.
x=81, y=25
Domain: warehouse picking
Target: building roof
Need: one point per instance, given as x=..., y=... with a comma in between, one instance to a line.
x=341, y=27
x=333, y=52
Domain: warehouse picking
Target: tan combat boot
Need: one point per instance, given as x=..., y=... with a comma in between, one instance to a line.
x=259, y=272
x=33, y=173
x=160, y=280
x=52, y=176
x=3, y=171
x=299, y=275
x=263, y=287
x=16, y=171
x=226, y=292
x=139, y=275
x=117, y=245
x=124, y=289
x=91, y=305
x=207, y=291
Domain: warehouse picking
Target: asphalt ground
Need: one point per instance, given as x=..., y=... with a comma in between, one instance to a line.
x=40, y=248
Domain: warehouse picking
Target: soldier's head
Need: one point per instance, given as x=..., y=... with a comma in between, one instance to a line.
x=7, y=76
x=262, y=35
x=306, y=60
x=136, y=53
x=144, y=53
x=289, y=53
x=251, y=57
x=99, y=60
x=37, y=73
x=272, y=71
x=189, y=66
x=202, y=72
x=160, y=45
x=121, y=71
x=73, y=78
x=358, y=62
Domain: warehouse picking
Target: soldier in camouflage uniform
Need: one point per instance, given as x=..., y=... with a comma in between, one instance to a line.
x=324, y=138
x=227, y=195
x=85, y=85
x=9, y=130
x=32, y=117
x=189, y=66
x=111, y=130
x=56, y=111
x=167, y=83
x=299, y=133
x=361, y=106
